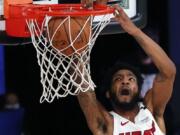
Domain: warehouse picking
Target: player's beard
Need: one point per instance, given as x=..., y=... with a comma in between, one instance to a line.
x=125, y=105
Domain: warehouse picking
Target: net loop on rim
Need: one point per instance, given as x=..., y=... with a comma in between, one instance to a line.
x=63, y=74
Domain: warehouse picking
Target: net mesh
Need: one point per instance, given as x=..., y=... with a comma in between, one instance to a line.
x=62, y=74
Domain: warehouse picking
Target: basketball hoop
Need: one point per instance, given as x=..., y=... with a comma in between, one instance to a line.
x=64, y=69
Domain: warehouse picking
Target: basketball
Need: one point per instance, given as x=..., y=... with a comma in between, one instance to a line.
x=67, y=37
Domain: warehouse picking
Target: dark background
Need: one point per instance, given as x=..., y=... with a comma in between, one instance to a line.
x=63, y=116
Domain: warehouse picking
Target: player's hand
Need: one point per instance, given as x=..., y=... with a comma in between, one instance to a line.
x=125, y=22
x=104, y=2
x=88, y=4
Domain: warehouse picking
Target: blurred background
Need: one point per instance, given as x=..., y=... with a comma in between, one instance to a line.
x=20, y=87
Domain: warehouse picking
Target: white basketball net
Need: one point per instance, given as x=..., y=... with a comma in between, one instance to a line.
x=60, y=74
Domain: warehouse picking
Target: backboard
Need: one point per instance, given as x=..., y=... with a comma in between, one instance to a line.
x=135, y=9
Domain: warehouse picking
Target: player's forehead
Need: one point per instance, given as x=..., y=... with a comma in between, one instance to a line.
x=124, y=72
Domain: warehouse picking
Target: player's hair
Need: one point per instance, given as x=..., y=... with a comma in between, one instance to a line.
x=119, y=66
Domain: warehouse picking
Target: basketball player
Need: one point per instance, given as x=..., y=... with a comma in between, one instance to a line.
x=129, y=116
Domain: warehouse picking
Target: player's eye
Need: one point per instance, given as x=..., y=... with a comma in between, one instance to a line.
x=118, y=79
x=132, y=79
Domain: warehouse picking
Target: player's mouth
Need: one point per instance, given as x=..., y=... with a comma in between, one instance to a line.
x=125, y=92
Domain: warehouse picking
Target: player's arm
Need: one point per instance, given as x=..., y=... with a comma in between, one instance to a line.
x=163, y=83
x=98, y=119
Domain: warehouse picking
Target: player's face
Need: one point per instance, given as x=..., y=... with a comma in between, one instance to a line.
x=124, y=88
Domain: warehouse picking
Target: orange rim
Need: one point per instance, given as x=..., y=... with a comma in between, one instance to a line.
x=34, y=11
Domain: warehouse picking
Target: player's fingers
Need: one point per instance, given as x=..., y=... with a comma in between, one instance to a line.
x=87, y=4
x=119, y=12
